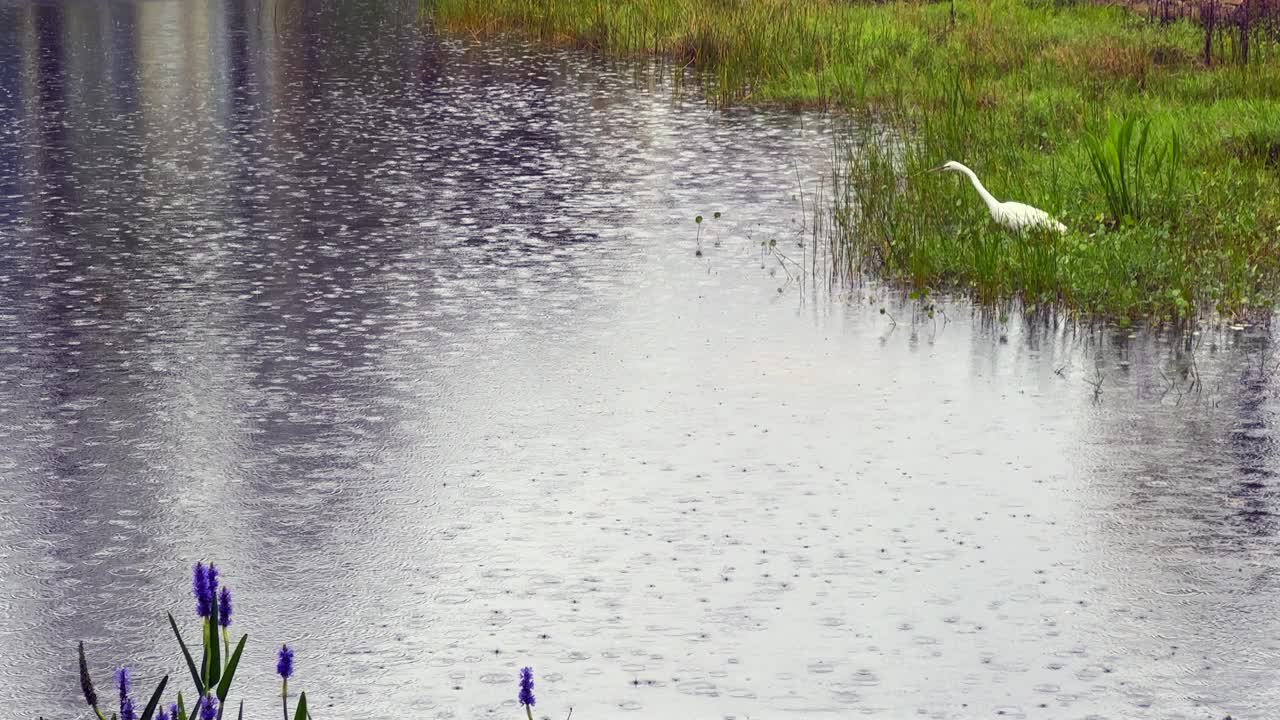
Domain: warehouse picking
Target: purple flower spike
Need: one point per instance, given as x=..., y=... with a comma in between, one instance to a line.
x=284, y=665
x=173, y=711
x=224, y=608
x=205, y=584
x=526, y=687
x=200, y=585
x=124, y=681
x=209, y=708
x=127, y=711
x=162, y=714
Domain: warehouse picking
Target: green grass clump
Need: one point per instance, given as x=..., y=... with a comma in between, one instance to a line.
x=1179, y=213
x=1130, y=167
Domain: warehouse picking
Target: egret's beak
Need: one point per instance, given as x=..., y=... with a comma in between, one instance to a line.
x=940, y=168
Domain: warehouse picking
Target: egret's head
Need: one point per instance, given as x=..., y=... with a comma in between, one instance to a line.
x=951, y=165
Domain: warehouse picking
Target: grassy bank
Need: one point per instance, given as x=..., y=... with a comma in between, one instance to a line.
x=1012, y=88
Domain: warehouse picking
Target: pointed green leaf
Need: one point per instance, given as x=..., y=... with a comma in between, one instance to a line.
x=154, y=702
x=241, y=715
x=301, y=712
x=224, y=686
x=191, y=664
x=214, y=648
x=182, y=708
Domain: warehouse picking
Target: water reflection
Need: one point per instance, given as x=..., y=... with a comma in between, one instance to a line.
x=410, y=334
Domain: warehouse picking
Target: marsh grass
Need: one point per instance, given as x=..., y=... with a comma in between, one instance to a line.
x=1130, y=166
x=1180, y=216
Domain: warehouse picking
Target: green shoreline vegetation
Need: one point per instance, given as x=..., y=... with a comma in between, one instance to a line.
x=1014, y=89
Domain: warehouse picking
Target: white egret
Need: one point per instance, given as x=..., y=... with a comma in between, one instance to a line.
x=1014, y=216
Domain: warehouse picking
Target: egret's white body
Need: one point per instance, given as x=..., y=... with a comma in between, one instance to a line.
x=1014, y=216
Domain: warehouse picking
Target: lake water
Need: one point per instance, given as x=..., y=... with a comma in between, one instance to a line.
x=410, y=333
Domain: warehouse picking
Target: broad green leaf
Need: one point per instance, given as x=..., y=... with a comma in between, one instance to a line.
x=224, y=686
x=191, y=664
x=301, y=712
x=154, y=702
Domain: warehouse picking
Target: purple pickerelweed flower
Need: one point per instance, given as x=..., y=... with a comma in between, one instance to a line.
x=284, y=665
x=126, y=710
x=124, y=681
x=86, y=684
x=173, y=711
x=209, y=708
x=200, y=586
x=205, y=584
x=224, y=608
x=526, y=687
x=162, y=714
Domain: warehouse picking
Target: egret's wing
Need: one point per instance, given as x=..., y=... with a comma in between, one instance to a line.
x=1025, y=217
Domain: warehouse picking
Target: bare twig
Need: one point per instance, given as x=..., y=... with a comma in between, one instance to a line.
x=1097, y=386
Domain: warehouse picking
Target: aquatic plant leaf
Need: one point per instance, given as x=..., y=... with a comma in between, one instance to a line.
x=300, y=713
x=191, y=664
x=212, y=646
x=224, y=686
x=154, y=702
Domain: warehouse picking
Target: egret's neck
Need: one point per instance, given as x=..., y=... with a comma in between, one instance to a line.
x=977, y=185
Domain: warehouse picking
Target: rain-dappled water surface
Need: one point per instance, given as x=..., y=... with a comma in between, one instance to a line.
x=409, y=333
